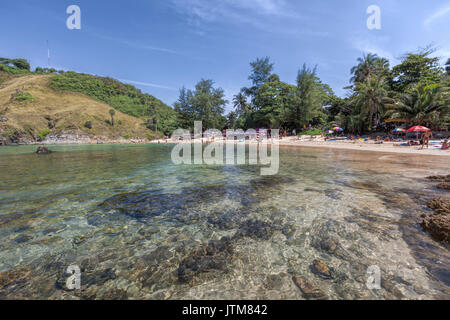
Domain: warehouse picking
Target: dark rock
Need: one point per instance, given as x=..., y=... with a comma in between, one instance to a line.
x=308, y=289
x=43, y=150
x=255, y=229
x=328, y=245
x=438, y=222
x=444, y=186
x=213, y=256
x=22, y=238
x=114, y=294
x=333, y=194
x=439, y=178
x=97, y=278
x=321, y=269
x=12, y=283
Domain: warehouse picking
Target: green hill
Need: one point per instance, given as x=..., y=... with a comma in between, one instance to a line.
x=34, y=104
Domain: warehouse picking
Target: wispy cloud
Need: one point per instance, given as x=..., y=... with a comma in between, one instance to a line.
x=257, y=13
x=147, y=84
x=441, y=12
x=376, y=46
x=137, y=45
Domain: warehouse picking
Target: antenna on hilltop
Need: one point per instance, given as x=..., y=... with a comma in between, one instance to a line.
x=48, y=55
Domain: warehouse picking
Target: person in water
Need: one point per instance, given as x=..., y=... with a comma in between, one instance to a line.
x=426, y=139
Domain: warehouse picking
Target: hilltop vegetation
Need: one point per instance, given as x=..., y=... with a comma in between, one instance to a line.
x=30, y=110
x=122, y=97
x=33, y=103
x=416, y=91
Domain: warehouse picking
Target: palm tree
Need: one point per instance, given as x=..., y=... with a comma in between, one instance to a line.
x=367, y=66
x=370, y=95
x=112, y=113
x=240, y=104
x=424, y=105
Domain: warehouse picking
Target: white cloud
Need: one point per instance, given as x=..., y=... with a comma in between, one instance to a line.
x=254, y=12
x=137, y=45
x=441, y=12
x=374, y=46
x=147, y=84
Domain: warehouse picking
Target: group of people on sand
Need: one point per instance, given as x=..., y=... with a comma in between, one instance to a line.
x=425, y=140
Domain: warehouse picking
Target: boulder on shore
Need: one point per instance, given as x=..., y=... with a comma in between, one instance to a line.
x=438, y=222
x=43, y=150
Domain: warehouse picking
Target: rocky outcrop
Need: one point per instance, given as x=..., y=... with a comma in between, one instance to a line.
x=438, y=222
x=68, y=137
x=43, y=150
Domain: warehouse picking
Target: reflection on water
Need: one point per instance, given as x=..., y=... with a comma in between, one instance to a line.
x=140, y=227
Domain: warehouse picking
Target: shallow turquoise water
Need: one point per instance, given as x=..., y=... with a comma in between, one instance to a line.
x=141, y=227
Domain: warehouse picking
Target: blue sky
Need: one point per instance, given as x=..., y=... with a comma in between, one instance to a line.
x=161, y=45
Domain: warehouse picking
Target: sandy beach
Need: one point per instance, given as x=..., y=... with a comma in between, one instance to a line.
x=390, y=147
x=386, y=147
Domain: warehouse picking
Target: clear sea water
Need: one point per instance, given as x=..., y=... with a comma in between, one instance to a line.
x=140, y=227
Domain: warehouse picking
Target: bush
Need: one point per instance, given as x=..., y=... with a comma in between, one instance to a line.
x=41, y=135
x=127, y=136
x=312, y=132
x=24, y=96
x=88, y=124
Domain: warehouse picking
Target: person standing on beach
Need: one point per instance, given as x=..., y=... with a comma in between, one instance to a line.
x=426, y=139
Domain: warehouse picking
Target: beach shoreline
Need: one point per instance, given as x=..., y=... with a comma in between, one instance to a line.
x=386, y=147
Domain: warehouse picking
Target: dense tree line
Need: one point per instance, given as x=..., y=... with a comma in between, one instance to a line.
x=415, y=91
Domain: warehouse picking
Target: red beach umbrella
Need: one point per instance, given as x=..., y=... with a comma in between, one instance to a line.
x=418, y=129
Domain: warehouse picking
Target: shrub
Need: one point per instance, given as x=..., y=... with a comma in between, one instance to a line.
x=88, y=124
x=23, y=96
x=127, y=136
x=312, y=132
x=41, y=135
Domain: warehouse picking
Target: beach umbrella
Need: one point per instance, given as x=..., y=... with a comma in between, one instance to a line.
x=329, y=132
x=418, y=129
x=338, y=129
x=399, y=130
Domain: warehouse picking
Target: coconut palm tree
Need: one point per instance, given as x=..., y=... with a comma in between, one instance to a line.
x=370, y=96
x=368, y=65
x=424, y=105
x=240, y=104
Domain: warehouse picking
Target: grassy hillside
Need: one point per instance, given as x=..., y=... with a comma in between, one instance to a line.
x=123, y=97
x=29, y=105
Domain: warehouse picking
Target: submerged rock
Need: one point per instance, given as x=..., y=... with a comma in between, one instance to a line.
x=255, y=229
x=308, y=289
x=444, y=186
x=321, y=269
x=439, y=178
x=438, y=222
x=43, y=150
x=210, y=257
